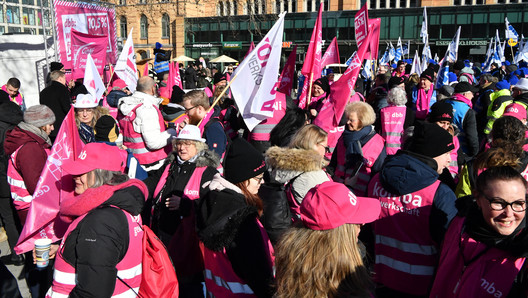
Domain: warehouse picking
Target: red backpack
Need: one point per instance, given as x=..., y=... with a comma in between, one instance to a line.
x=158, y=278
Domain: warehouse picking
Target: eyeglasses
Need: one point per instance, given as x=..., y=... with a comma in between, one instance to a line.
x=327, y=149
x=258, y=178
x=184, y=143
x=187, y=110
x=499, y=204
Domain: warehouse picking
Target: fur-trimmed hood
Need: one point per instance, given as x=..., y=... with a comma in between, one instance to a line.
x=286, y=163
x=206, y=158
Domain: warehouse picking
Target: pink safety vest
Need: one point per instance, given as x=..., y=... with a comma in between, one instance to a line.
x=262, y=131
x=406, y=256
x=490, y=275
x=221, y=280
x=392, y=121
x=134, y=141
x=19, y=193
x=453, y=165
x=184, y=247
x=371, y=151
x=19, y=99
x=129, y=269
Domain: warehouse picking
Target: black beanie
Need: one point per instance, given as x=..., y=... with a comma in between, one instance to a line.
x=56, y=66
x=441, y=111
x=459, y=65
x=219, y=77
x=428, y=74
x=323, y=83
x=430, y=140
x=243, y=162
x=395, y=81
x=105, y=129
x=177, y=95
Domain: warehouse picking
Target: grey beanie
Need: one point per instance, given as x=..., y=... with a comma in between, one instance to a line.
x=39, y=116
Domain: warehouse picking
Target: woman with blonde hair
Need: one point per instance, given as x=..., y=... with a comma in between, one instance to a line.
x=87, y=112
x=322, y=257
x=300, y=166
x=360, y=151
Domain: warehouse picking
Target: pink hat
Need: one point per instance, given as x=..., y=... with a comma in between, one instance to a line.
x=96, y=156
x=119, y=83
x=516, y=110
x=331, y=204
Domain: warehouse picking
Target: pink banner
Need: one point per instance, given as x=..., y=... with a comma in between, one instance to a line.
x=312, y=62
x=251, y=48
x=332, y=111
x=174, y=77
x=331, y=55
x=83, y=44
x=54, y=187
x=361, y=25
x=374, y=36
x=85, y=18
x=287, y=74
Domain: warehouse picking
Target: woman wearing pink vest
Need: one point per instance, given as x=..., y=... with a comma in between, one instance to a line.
x=360, y=151
x=484, y=251
x=101, y=252
x=175, y=187
x=323, y=256
x=394, y=119
x=237, y=254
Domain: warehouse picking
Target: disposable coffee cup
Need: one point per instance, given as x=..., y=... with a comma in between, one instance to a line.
x=42, y=249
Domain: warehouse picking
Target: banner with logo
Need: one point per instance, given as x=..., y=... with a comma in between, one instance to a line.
x=361, y=25
x=86, y=44
x=85, y=18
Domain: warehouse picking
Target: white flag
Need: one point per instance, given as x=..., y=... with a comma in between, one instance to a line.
x=416, y=66
x=499, y=48
x=254, y=91
x=423, y=32
x=126, y=68
x=452, y=49
x=510, y=31
x=92, y=79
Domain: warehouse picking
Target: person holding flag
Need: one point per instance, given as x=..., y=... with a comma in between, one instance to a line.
x=28, y=146
x=320, y=91
x=423, y=95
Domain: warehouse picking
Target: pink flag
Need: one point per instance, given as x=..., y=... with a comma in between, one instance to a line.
x=251, y=48
x=174, y=78
x=312, y=62
x=331, y=55
x=83, y=44
x=374, y=36
x=361, y=25
x=287, y=74
x=54, y=187
x=332, y=111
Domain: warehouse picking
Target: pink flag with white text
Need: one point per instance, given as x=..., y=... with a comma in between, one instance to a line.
x=312, y=62
x=174, y=78
x=287, y=74
x=361, y=25
x=331, y=55
x=83, y=44
x=53, y=187
x=332, y=111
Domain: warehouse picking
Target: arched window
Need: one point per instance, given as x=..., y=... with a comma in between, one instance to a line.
x=143, y=27
x=235, y=7
x=165, y=26
x=123, y=27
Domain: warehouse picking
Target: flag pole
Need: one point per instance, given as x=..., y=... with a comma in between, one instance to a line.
x=309, y=98
x=220, y=96
x=111, y=75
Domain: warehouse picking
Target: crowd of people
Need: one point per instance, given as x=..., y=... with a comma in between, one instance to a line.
x=420, y=193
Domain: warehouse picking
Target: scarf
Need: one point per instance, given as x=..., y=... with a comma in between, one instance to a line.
x=354, y=141
x=93, y=198
x=422, y=102
x=33, y=129
x=87, y=133
x=462, y=98
x=516, y=243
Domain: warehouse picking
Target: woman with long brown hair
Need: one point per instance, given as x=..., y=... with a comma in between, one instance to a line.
x=322, y=257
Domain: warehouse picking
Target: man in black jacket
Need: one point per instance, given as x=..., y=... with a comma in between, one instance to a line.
x=57, y=97
x=190, y=76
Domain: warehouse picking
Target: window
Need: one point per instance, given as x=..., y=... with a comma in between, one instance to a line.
x=13, y=15
x=1, y=16
x=309, y=5
x=235, y=7
x=278, y=8
x=165, y=26
x=12, y=29
x=28, y=16
x=28, y=2
x=143, y=24
x=123, y=27
x=293, y=6
x=142, y=1
x=122, y=2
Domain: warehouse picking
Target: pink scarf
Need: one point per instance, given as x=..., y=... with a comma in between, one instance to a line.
x=422, y=102
x=463, y=99
x=93, y=197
